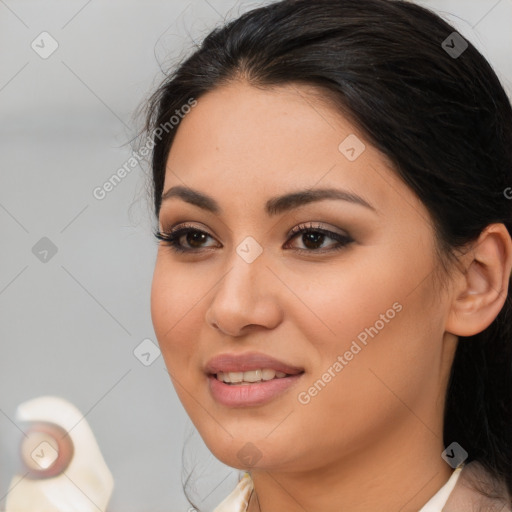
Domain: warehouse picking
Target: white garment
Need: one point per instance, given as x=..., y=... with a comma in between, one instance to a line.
x=238, y=500
x=438, y=501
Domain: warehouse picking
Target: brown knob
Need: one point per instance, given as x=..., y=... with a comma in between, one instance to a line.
x=46, y=450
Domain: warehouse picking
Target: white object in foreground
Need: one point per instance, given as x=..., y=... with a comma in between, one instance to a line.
x=84, y=485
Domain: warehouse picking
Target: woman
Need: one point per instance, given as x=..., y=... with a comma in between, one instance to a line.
x=330, y=291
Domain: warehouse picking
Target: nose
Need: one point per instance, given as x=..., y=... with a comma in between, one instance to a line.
x=245, y=296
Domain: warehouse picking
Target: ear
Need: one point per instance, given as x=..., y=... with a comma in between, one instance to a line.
x=480, y=292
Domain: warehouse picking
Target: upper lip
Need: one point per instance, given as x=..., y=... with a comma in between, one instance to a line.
x=247, y=362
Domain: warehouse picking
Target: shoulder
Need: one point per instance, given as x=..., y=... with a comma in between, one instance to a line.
x=477, y=491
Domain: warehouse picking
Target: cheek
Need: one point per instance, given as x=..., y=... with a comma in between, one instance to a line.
x=384, y=342
x=174, y=313
x=381, y=325
x=355, y=301
x=175, y=307
x=378, y=297
x=373, y=385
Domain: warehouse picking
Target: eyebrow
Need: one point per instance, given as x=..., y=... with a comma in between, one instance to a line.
x=274, y=205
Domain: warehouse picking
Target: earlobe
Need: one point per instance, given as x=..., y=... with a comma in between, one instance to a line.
x=480, y=292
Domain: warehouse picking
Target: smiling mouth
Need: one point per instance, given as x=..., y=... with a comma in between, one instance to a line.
x=251, y=377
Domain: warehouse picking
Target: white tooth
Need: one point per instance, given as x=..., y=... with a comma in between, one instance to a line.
x=252, y=376
x=235, y=376
x=268, y=374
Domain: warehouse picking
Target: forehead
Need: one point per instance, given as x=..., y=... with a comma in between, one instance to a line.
x=238, y=117
x=258, y=142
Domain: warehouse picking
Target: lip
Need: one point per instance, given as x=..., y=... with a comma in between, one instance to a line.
x=247, y=395
x=246, y=362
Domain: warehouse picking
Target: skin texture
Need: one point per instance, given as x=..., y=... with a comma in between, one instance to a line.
x=371, y=439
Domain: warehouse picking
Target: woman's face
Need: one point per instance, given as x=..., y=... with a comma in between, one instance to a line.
x=362, y=319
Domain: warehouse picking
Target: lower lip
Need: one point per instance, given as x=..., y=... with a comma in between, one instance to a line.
x=245, y=395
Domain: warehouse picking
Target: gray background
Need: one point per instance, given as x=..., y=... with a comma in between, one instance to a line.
x=69, y=326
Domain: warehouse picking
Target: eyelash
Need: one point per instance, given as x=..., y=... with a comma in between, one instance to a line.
x=171, y=238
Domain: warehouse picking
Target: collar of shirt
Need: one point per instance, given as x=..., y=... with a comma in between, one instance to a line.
x=238, y=500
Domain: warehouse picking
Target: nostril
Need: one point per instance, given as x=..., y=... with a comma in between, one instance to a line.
x=46, y=450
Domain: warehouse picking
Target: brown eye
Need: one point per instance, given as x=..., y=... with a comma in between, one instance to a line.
x=46, y=450
x=313, y=237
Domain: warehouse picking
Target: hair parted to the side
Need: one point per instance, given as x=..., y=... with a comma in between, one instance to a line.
x=445, y=123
